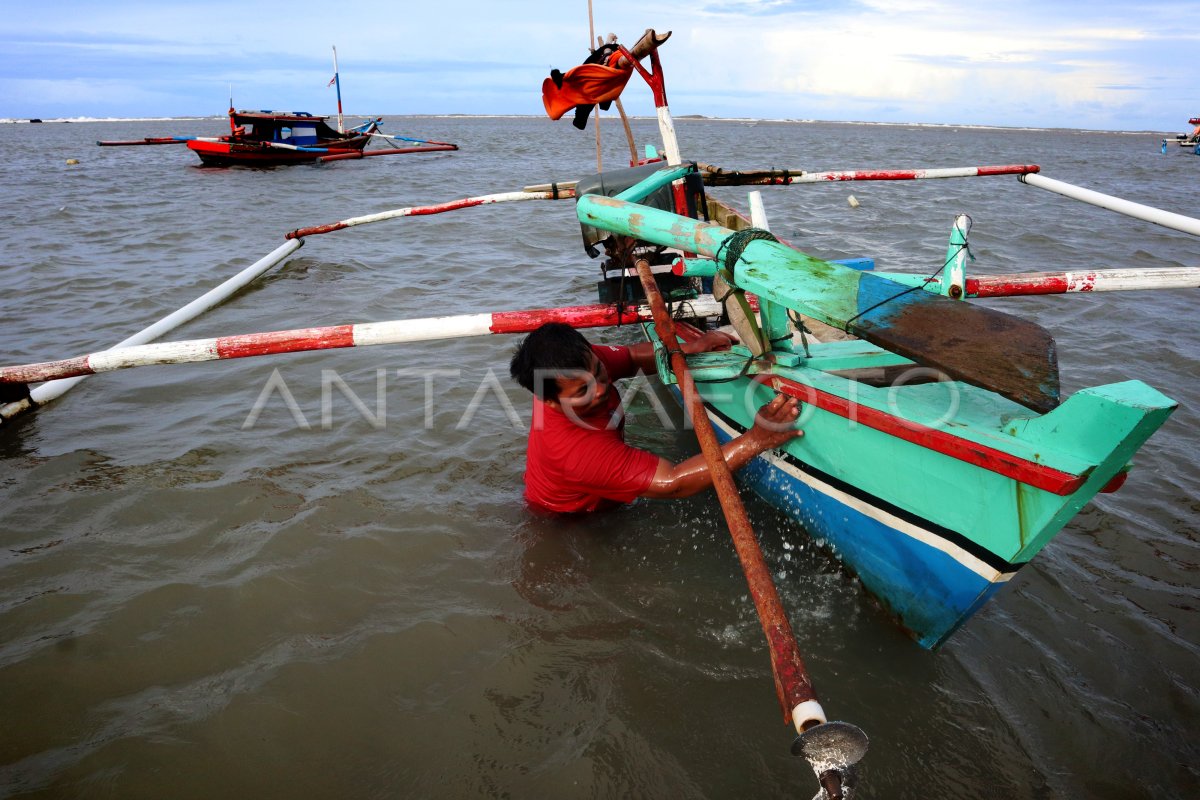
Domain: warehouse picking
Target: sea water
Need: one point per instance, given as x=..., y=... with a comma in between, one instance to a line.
x=313, y=575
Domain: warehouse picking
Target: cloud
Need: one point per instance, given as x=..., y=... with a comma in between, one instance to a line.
x=1095, y=64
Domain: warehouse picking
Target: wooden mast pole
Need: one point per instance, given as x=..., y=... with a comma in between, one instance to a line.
x=591, y=39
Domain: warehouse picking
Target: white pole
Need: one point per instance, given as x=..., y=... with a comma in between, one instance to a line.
x=758, y=212
x=956, y=273
x=1167, y=219
x=54, y=389
x=666, y=126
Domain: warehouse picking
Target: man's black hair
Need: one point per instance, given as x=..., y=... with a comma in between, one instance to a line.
x=553, y=349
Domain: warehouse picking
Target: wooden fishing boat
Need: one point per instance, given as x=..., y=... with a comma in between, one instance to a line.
x=1191, y=139
x=273, y=138
x=279, y=138
x=938, y=455
x=933, y=492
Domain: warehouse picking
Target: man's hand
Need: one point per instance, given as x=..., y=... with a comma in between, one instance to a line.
x=775, y=422
x=710, y=342
x=774, y=425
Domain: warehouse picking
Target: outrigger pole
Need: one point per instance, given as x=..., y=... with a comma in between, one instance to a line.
x=334, y=337
x=342, y=155
x=440, y=208
x=1167, y=219
x=59, y=385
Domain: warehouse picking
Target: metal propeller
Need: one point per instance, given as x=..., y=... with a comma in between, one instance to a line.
x=833, y=750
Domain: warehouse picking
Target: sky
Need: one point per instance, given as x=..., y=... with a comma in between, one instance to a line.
x=1100, y=64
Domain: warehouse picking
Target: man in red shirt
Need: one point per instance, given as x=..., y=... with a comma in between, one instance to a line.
x=577, y=459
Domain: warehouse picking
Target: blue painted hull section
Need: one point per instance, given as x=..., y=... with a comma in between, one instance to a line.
x=928, y=590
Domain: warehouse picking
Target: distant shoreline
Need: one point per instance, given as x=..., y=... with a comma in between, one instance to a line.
x=679, y=119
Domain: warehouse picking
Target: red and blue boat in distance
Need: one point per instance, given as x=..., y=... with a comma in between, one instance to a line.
x=279, y=138
x=273, y=138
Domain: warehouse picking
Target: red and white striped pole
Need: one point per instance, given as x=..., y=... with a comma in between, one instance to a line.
x=915, y=174
x=440, y=208
x=783, y=177
x=1100, y=280
x=338, y=336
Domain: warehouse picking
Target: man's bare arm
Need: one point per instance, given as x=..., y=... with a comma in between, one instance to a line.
x=643, y=352
x=773, y=427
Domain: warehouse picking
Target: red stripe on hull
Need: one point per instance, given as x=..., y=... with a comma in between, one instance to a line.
x=248, y=153
x=1028, y=472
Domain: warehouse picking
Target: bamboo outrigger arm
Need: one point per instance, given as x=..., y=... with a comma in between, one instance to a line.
x=334, y=337
x=1167, y=219
x=718, y=176
x=57, y=386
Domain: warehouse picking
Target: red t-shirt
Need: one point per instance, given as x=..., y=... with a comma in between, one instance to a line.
x=570, y=467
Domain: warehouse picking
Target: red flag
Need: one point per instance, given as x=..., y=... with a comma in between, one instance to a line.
x=331, y=81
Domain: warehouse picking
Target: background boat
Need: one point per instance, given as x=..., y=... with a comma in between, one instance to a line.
x=280, y=138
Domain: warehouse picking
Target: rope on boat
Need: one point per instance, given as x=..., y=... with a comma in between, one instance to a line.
x=737, y=243
x=953, y=253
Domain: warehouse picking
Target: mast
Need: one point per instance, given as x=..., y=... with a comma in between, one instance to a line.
x=232, y=124
x=338, y=83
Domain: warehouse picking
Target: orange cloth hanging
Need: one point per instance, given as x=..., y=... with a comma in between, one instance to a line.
x=585, y=85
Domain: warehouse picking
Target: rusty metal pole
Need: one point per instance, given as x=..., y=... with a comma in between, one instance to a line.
x=792, y=683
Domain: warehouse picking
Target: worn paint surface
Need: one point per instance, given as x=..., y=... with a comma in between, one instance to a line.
x=1110, y=280
x=1008, y=355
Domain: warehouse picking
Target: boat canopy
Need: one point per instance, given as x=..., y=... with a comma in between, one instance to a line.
x=286, y=127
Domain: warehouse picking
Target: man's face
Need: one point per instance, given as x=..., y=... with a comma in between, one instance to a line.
x=583, y=392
